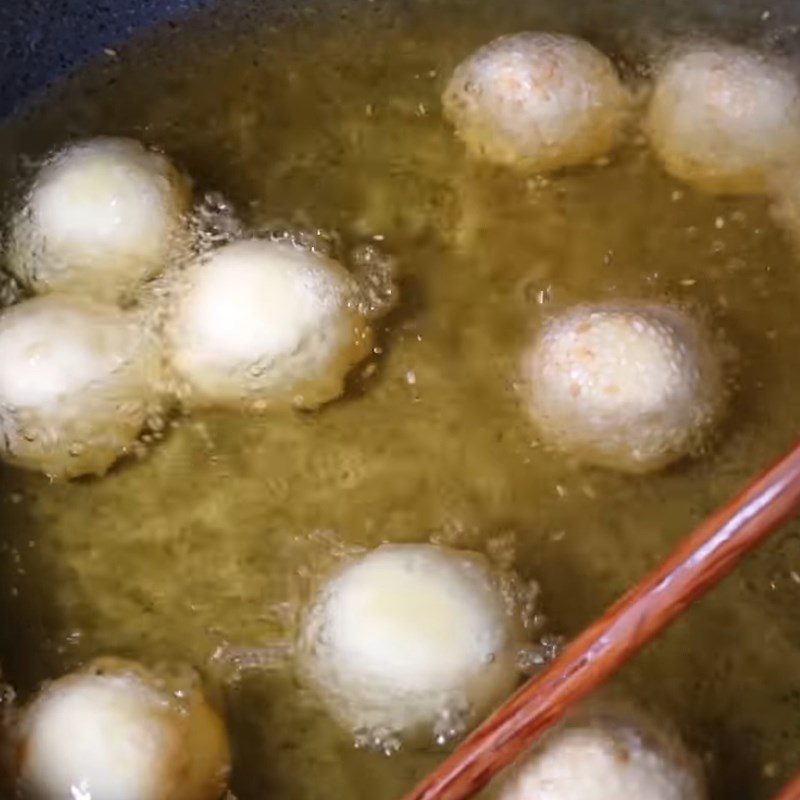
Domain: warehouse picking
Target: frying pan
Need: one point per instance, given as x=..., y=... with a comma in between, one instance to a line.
x=42, y=40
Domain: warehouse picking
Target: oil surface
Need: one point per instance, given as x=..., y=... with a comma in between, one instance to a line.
x=199, y=551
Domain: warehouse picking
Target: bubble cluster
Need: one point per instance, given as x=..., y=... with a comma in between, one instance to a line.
x=214, y=222
x=375, y=273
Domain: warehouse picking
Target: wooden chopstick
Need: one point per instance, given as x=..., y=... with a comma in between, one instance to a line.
x=791, y=791
x=701, y=560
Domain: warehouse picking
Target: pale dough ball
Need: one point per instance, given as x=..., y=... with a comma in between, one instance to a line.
x=103, y=216
x=409, y=636
x=77, y=383
x=261, y=323
x=724, y=118
x=537, y=101
x=113, y=733
x=606, y=758
x=632, y=387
